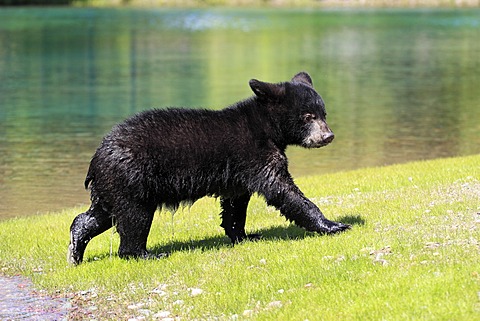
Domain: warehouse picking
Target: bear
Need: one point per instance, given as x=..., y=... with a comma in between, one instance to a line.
x=167, y=157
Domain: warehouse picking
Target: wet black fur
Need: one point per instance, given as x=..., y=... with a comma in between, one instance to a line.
x=165, y=157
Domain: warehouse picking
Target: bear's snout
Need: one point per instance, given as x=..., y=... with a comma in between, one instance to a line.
x=318, y=135
x=328, y=137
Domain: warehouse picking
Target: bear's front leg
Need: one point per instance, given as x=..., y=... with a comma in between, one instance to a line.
x=291, y=202
x=234, y=213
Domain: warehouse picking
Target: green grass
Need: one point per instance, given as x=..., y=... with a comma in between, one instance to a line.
x=412, y=254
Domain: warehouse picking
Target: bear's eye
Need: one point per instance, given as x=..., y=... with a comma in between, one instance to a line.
x=309, y=117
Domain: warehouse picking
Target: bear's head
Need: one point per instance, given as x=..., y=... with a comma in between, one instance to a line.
x=298, y=110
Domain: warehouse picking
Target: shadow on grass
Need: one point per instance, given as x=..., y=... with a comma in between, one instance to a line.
x=291, y=232
x=352, y=220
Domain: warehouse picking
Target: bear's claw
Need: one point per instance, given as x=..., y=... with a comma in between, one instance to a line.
x=329, y=227
x=72, y=257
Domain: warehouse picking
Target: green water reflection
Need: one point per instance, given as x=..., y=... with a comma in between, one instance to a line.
x=399, y=85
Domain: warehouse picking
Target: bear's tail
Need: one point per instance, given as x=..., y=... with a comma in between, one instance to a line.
x=90, y=177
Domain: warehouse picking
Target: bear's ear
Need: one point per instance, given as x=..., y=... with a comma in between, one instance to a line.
x=267, y=90
x=303, y=77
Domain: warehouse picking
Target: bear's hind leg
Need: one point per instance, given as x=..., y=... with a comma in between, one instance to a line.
x=133, y=226
x=234, y=213
x=85, y=227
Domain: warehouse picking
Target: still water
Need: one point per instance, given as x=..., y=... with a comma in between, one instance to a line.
x=399, y=85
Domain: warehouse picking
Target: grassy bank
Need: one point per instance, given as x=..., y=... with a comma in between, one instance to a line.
x=412, y=254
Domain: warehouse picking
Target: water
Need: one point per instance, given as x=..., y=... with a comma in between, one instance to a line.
x=18, y=301
x=399, y=85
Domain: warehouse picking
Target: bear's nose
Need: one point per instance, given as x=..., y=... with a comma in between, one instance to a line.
x=328, y=137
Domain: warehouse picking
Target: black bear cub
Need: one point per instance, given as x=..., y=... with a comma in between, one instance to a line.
x=165, y=157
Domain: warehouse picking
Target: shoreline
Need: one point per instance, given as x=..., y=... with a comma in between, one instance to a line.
x=82, y=207
x=353, y=4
